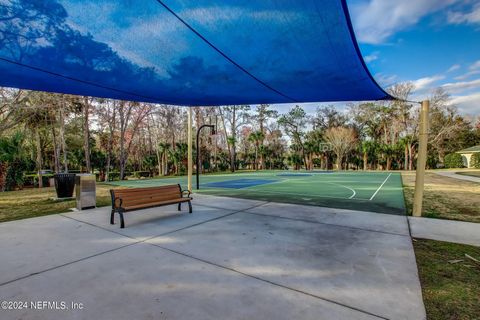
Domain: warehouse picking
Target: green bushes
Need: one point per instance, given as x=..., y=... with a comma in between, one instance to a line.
x=141, y=174
x=32, y=179
x=12, y=162
x=113, y=176
x=475, y=160
x=453, y=160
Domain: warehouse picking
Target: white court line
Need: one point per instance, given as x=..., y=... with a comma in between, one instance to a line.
x=291, y=193
x=373, y=196
x=335, y=184
x=354, y=192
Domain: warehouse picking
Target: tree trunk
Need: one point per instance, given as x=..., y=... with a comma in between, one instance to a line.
x=62, y=136
x=38, y=143
x=405, y=165
x=338, y=162
x=365, y=161
x=86, y=134
x=56, y=151
x=410, y=156
x=160, y=162
x=226, y=137
x=122, y=156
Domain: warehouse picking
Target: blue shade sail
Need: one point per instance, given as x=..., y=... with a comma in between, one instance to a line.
x=185, y=52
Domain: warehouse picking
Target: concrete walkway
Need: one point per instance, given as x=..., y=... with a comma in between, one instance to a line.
x=445, y=230
x=452, y=174
x=230, y=259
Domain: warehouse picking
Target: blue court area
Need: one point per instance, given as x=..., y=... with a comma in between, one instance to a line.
x=294, y=175
x=238, y=183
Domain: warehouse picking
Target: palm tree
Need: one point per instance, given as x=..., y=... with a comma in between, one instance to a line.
x=368, y=148
x=256, y=137
x=163, y=149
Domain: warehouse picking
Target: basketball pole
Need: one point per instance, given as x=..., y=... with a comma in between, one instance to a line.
x=189, y=152
x=421, y=160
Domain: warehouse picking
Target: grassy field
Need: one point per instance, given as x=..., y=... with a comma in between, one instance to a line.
x=450, y=281
x=445, y=198
x=30, y=203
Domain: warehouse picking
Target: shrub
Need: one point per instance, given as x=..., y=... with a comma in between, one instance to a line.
x=113, y=175
x=141, y=174
x=475, y=160
x=14, y=177
x=32, y=179
x=453, y=160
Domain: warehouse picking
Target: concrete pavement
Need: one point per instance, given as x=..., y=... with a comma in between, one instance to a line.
x=454, y=175
x=230, y=259
x=446, y=230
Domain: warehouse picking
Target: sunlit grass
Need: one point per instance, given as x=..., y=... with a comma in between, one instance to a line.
x=444, y=197
x=36, y=202
x=450, y=280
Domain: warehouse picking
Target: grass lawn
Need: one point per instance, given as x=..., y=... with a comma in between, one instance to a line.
x=30, y=203
x=450, y=280
x=470, y=173
x=444, y=197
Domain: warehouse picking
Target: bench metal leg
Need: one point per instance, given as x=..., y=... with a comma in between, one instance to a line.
x=122, y=222
x=179, y=206
x=189, y=207
x=112, y=217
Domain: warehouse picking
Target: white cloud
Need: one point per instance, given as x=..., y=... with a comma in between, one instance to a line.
x=475, y=65
x=472, y=17
x=371, y=57
x=385, y=80
x=467, y=75
x=467, y=104
x=453, y=68
x=455, y=87
x=424, y=83
x=376, y=20
x=474, y=70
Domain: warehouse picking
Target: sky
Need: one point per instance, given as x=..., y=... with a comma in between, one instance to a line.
x=432, y=43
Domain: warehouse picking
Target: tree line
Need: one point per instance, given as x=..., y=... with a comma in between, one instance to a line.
x=43, y=133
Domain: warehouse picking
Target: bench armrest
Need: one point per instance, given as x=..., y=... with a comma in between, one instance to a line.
x=186, y=191
x=115, y=202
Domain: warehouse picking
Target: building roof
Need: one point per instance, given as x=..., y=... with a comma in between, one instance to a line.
x=473, y=149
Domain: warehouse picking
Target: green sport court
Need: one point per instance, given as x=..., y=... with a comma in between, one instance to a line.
x=365, y=191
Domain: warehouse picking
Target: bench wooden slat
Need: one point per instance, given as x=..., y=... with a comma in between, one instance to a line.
x=155, y=204
x=148, y=200
x=131, y=199
x=148, y=197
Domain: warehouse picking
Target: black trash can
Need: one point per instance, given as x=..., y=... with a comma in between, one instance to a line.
x=64, y=184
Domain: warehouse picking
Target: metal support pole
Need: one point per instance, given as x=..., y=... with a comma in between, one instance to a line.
x=198, y=150
x=421, y=159
x=189, y=152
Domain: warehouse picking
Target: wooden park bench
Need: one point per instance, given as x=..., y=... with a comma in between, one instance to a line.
x=131, y=199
